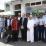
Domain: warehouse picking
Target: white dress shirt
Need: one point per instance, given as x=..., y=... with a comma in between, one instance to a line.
x=36, y=21
x=44, y=18
x=8, y=22
x=41, y=21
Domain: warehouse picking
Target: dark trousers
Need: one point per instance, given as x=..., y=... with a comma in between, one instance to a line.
x=36, y=33
x=15, y=35
x=45, y=34
x=8, y=34
x=41, y=32
x=24, y=34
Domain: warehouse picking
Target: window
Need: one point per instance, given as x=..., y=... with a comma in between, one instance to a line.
x=7, y=7
x=44, y=2
x=32, y=3
x=38, y=3
x=17, y=6
x=27, y=4
x=16, y=12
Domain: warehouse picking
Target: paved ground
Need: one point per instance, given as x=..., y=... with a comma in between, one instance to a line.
x=22, y=43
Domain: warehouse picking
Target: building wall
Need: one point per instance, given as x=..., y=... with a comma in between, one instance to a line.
x=30, y=1
x=23, y=10
x=23, y=2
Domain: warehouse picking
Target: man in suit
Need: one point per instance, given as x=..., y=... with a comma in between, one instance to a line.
x=8, y=30
x=23, y=22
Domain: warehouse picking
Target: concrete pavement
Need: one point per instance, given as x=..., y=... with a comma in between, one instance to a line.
x=22, y=43
x=3, y=44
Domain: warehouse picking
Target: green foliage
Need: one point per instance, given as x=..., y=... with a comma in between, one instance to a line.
x=37, y=12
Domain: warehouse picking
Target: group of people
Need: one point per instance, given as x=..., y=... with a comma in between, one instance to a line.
x=32, y=28
x=36, y=28
x=14, y=25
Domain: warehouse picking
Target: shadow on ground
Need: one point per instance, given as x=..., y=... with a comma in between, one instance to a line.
x=23, y=43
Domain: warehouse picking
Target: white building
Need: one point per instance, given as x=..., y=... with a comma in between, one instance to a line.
x=25, y=6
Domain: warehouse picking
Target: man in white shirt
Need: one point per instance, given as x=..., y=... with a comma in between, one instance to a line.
x=44, y=17
x=35, y=28
x=9, y=32
x=30, y=31
x=8, y=22
x=41, y=29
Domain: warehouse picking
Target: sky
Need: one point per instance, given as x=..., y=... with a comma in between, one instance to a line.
x=2, y=2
